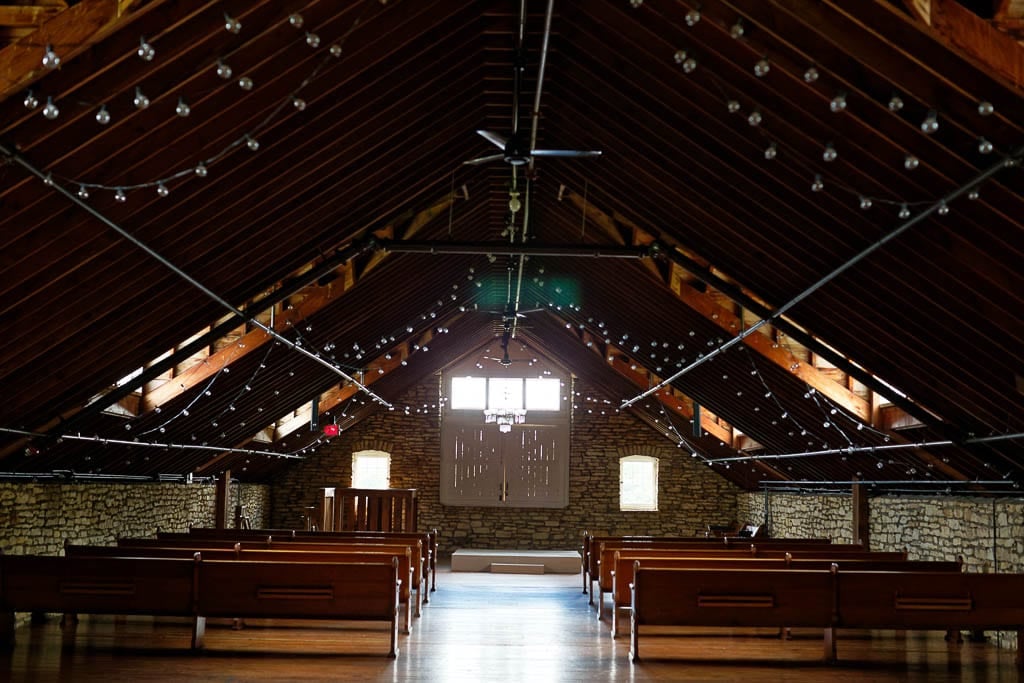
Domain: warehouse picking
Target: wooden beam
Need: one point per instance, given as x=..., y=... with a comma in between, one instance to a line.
x=679, y=282
x=27, y=15
x=981, y=39
x=861, y=516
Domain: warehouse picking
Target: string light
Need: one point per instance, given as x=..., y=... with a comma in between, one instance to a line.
x=904, y=211
x=692, y=18
x=984, y=146
x=103, y=116
x=838, y=103
x=83, y=192
x=140, y=100
x=811, y=74
x=895, y=103
x=830, y=153
x=50, y=111
x=182, y=109
x=245, y=83
x=231, y=25
x=910, y=162
x=930, y=123
x=120, y=196
x=223, y=70
x=252, y=143
x=771, y=151
x=298, y=103
x=145, y=51
x=762, y=67
x=733, y=106
x=737, y=30
x=51, y=60
x=200, y=170
x=755, y=118
x=865, y=202
x=30, y=101
x=296, y=20
x=985, y=108
x=162, y=190
x=818, y=185
x=313, y=40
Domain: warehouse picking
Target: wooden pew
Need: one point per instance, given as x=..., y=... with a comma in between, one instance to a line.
x=729, y=597
x=411, y=593
x=429, y=539
x=237, y=552
x=826, y=599
x=606, y=555
x=592, y=545
x=198, y=589
x=626, y=561
x=932, y=601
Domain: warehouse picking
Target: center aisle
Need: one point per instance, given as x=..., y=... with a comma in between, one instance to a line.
x=509, y=627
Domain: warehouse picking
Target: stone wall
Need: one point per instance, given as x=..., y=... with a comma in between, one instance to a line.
x=690, y=496
x=987, y=533
x=36, y=518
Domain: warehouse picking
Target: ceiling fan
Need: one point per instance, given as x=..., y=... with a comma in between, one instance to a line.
x=517, y=149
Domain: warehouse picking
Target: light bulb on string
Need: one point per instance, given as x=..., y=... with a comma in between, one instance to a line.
x=679, y=57
x=223, y=70
x=298, y=103
x=904, y=212
x=162, y=190
x=313, y=40
x=985, y=108
x=771, y=151
x=296, y=20
x=830, y=153
x=83, y=192
x=692, y=17
x=51, y=60
x=910, y=162
x=335, y=50
x=231, y=25
x=120, y=196
x=865, y=203
x=200, y=170
x=689, y=65
x=973, y=195
x=762, y=68
x=838, y=103
x=145, y=51
x=733, y=106
x=252, y=143
x=930, y=123
x=103, y=116
x=895, y=103
x=50, y=111
x=140, y=100
x=818, y=185
x=755, y=118
x=30, y=101
x=245, y=83
x=943, y=208
x=182, y=109
x=984, y=146
x=811, y=75
x=737, y=30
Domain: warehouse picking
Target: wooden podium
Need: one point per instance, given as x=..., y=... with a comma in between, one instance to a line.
x=349, y=509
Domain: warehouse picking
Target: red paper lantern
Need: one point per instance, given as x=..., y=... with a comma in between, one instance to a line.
x=331, y=430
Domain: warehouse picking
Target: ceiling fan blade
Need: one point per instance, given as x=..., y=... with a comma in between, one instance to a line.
x=493, y=138
x=483, y=160
x=566, y=153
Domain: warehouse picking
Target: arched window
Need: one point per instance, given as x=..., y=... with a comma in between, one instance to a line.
x=638, y=483
x=371, y=470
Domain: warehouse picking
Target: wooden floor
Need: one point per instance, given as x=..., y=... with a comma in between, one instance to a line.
x=483, y=627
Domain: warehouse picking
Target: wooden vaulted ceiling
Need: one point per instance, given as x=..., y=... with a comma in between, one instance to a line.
x=336, y=241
